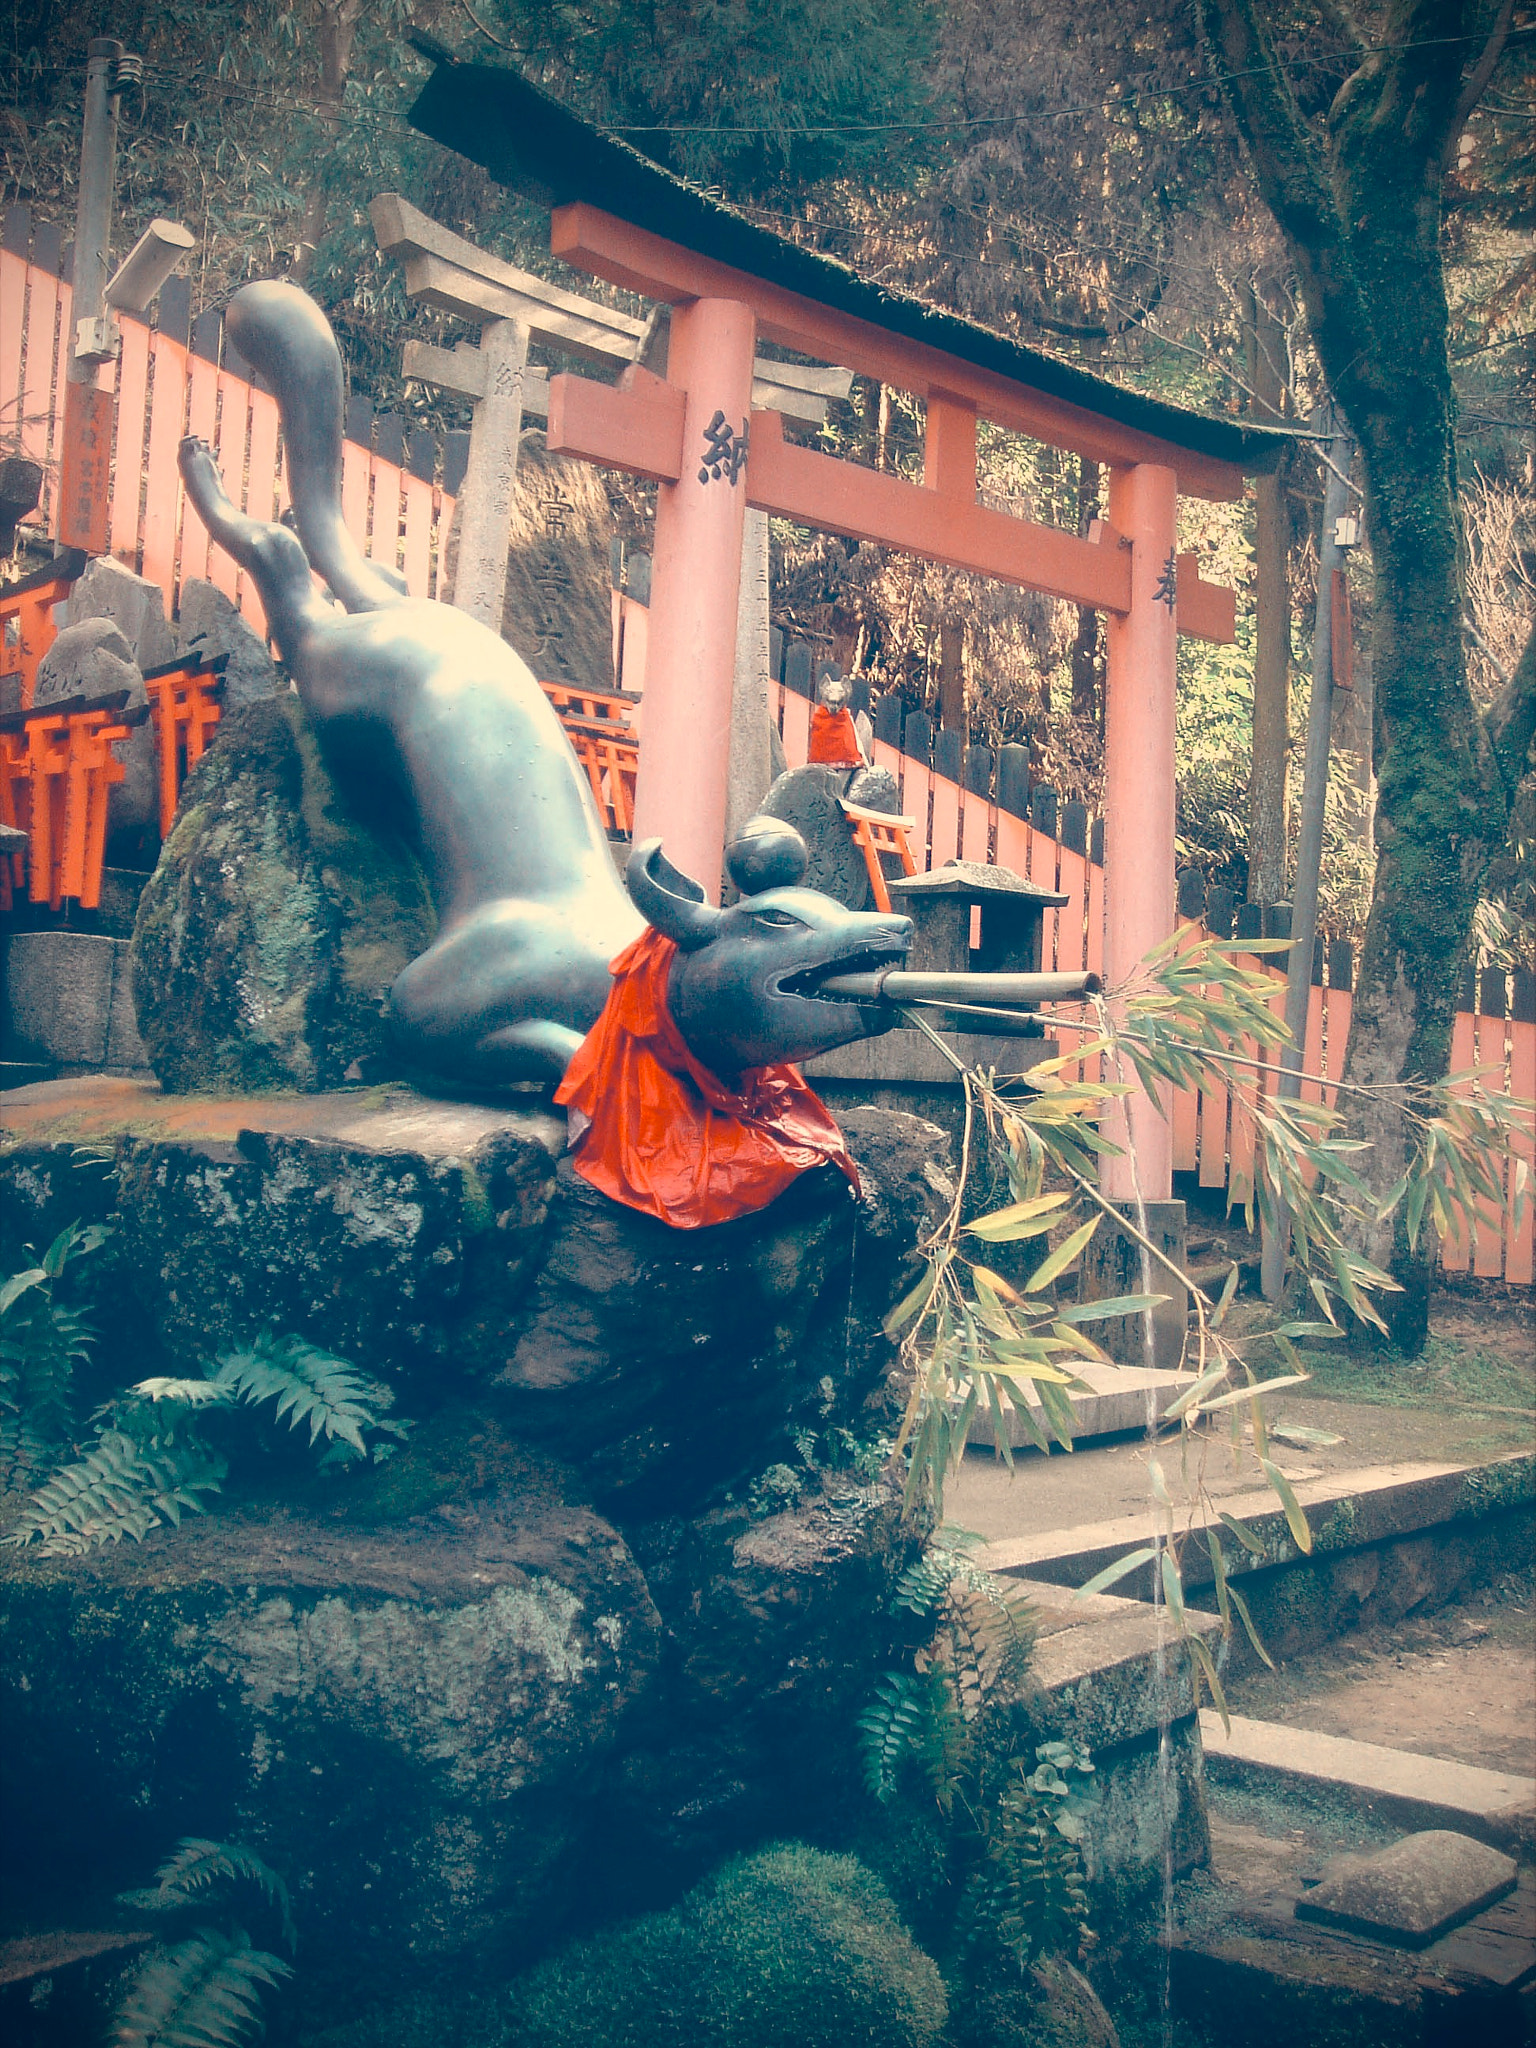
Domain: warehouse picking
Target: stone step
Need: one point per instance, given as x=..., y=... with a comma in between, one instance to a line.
x=1116, y=1405
x=1248, y=1969
x=1346, y=1511
x=1412, y=1790
x=66, y=999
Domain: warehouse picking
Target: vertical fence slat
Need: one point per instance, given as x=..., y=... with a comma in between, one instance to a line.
x=202, y=420
x=162, y=503
x=234, y=401
x=354, y=491
x=384, y=541
x=1488, y=1239
x=1072, y=880
x=1519, y=1260
x=1456, y=1245
x=128, y=442
x=13, y=299
x=418, y=547
x=262, y=493
x=945, y=844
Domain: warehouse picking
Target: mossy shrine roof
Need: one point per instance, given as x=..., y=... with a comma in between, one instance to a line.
x=525, y=138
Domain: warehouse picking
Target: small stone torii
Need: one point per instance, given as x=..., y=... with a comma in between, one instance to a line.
x=513, y=308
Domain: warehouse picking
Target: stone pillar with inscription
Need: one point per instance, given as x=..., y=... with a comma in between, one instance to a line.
x=483, y=513
x=751, y=769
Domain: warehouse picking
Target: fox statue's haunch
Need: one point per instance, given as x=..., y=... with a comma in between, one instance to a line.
x=531, y=911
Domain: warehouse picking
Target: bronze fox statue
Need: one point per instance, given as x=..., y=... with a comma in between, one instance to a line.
x=530, y=908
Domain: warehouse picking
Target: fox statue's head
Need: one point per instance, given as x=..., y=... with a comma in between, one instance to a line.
x=746, y=989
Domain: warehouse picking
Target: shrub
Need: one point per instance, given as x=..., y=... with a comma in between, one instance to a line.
x=787, y=1948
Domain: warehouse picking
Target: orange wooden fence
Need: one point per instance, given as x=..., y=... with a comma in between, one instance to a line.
x=398, y=502
x=962, y=816
x=167, y=386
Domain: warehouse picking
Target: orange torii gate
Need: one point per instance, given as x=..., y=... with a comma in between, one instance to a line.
x=731, y=285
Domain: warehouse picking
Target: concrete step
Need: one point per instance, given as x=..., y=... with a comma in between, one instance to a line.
x=1117, y=1403
x=1399, y=1785
x=1346, y=1511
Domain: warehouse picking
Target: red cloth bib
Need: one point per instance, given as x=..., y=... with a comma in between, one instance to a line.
x=834, y=739
x=664, y=1134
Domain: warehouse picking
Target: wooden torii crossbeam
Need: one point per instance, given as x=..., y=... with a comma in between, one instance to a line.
x=731, y=284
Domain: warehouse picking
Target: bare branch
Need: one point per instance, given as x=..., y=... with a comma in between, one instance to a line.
x=1340, y=18
x=1477, y=80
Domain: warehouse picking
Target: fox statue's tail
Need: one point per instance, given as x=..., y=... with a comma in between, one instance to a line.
x=283, y=333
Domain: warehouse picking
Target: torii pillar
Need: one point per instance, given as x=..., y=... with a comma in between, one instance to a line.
x=1140, y=800
x=690, y=658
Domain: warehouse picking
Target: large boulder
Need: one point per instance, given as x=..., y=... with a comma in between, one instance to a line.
x=94, y=657
x=447, y=1694
x=386, y=1226
x=399, y=1690
x=787, y=1948
x=211, y=628
x=275, y=922
x=109, y=589
x=442, y=1246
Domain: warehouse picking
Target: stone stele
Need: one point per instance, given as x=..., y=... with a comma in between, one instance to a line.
x=1413, y=1892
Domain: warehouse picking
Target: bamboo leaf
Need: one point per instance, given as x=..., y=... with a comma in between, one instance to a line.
x=912, y=1304
x=1192, y=1396
x=1259, y=1387
x=1173, y=1591
x=1113, y=1573
x=1019, y=1219
x=1114, y=1305
x=997, y=1286
x=1208, y=1670
x=1228, y=1289
x=1252, y=1633
x=1218, y=1559
x=1246, y=1537
x=1296, y=1521
x=1062, y=1257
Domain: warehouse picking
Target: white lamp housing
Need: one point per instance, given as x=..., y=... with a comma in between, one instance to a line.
x=148, y=264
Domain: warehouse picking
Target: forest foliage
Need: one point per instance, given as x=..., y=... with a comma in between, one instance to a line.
x=1075, y=181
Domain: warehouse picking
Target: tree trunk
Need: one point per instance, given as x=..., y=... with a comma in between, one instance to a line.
x=1268, y=825
x=952, y=712
x=338, y=30
x=1360, y=204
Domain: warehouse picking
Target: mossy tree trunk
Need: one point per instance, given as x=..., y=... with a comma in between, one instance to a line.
x=1358, y=195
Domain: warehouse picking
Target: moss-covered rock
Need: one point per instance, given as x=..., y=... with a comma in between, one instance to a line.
x=788, y=1948
x=399, y=1687
x=276, y=920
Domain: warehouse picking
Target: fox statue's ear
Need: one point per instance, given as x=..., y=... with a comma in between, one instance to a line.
x=668, y=899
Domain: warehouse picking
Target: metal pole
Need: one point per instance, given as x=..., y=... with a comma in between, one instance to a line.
x=1309, y=844
x=93, y=213
x=85, y=445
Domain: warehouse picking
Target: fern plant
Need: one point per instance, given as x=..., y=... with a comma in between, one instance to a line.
x=950, y=1731
x=205, y=1990
x=125, y=1485
x=203, y=1993
x=43, y=1338
x=308, y=1385
x=149, y=1462
x=197, y=1870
